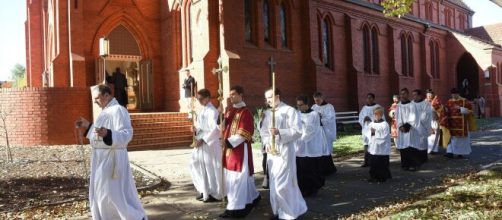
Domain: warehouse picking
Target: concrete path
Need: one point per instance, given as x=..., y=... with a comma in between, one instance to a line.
x=345, y=193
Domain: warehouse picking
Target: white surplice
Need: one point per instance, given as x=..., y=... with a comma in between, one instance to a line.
x=422, y=127
x=239, y=186
x=313, y=141
x=328, y=121
x=285, y=196
x=112, y=190
x=407, y=113
x=205, y=166
x=379, y=143
x=367, y=111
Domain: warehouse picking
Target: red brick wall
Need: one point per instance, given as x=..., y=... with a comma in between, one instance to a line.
x=44, y=116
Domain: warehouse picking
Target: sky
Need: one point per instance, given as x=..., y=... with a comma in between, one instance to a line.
x=13, y=16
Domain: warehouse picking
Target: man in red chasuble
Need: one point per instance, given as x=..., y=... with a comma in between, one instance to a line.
x=459, y=113
x=238, y=157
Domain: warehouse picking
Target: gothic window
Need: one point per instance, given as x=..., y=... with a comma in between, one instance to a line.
x=461, y=19
x=366, y=49
x=248, y=19
x=375, y=67
x=448, y=18
x=428, y=11
x=266, y=21
x=370, y=50
x=407, y=55
x=284, y=31
x=499, y=77
x=326, y=42
x=434, y=56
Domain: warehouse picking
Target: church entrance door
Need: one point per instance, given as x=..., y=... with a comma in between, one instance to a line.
x=468, y=77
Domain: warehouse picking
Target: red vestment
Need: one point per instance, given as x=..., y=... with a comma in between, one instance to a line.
x=238, y=121
x=439, y=109
x=457, y=122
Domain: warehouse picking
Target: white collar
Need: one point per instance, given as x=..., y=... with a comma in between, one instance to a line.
x=240, y=105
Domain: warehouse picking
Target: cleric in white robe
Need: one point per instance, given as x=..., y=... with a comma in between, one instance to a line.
x=205, y=165
x=408, y=139
x=378, y=134
x=328, y=123
x=309, y=149
x=366, y=116
x=112, y=190
x=285, y=196
x=423, y=126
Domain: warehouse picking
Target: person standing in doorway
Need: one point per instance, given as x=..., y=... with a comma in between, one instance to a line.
x=119, y=81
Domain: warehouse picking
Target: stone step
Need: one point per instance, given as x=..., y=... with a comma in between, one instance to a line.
x=161, y=124
x=143, y=130
x=159, y=130
x=155, y=134
x=170, y=144
x=153, y=140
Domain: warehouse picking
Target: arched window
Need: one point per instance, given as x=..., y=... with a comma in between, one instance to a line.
x=407, y=54
x=434, y=56
x=366, y=49
x=461, y=21
x=284, y=31
x=499, y=70
x=410, y=55
x=428, y=11
x=370, y=50
x=375, y=66
x=448, y=18
x=248, y=19
x=190, y=31
x=326, y=43
x=266, y=21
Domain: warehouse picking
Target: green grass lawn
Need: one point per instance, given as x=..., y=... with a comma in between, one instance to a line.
x=347, y=143
x=478, y=196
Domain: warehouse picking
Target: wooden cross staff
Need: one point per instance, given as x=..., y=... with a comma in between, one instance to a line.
x=219, y=72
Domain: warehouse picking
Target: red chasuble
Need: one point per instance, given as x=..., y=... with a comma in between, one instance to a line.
x=457, y=123
x=238, y=121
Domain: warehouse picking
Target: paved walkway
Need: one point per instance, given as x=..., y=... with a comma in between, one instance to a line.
x=345, y=193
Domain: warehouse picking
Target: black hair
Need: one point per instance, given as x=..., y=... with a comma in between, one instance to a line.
x=204, y=93
x=237, y=89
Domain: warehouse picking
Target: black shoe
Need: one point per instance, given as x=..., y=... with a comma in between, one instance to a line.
x=210, y=199
x=199, y=197
x=460, y=157
x=226, y=214
x=405, y=168
x=449, y=155
x=371, y=180
x=365, y=165
x=275, y=217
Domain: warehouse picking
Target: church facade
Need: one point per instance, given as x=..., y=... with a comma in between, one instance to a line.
x=342, y=48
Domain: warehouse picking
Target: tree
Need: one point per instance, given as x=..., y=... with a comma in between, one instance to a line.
x=393, y=8
x=18, y=76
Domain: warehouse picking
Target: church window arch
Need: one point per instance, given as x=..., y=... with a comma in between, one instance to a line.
x=326, y=42
x=407, y=54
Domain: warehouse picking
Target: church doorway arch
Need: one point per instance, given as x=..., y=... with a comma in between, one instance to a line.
x=126, y=57
x=468, y=76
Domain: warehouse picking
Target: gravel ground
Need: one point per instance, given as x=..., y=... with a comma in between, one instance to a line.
x=48, y=176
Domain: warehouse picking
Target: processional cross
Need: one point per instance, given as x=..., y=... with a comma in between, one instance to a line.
x=271, y=62
x=219, y=73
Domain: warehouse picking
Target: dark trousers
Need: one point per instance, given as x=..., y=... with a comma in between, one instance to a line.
x=310, y=179
x=411, y=157
x=379, y=167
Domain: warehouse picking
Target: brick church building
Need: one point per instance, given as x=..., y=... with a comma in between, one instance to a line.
x=342, y=48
